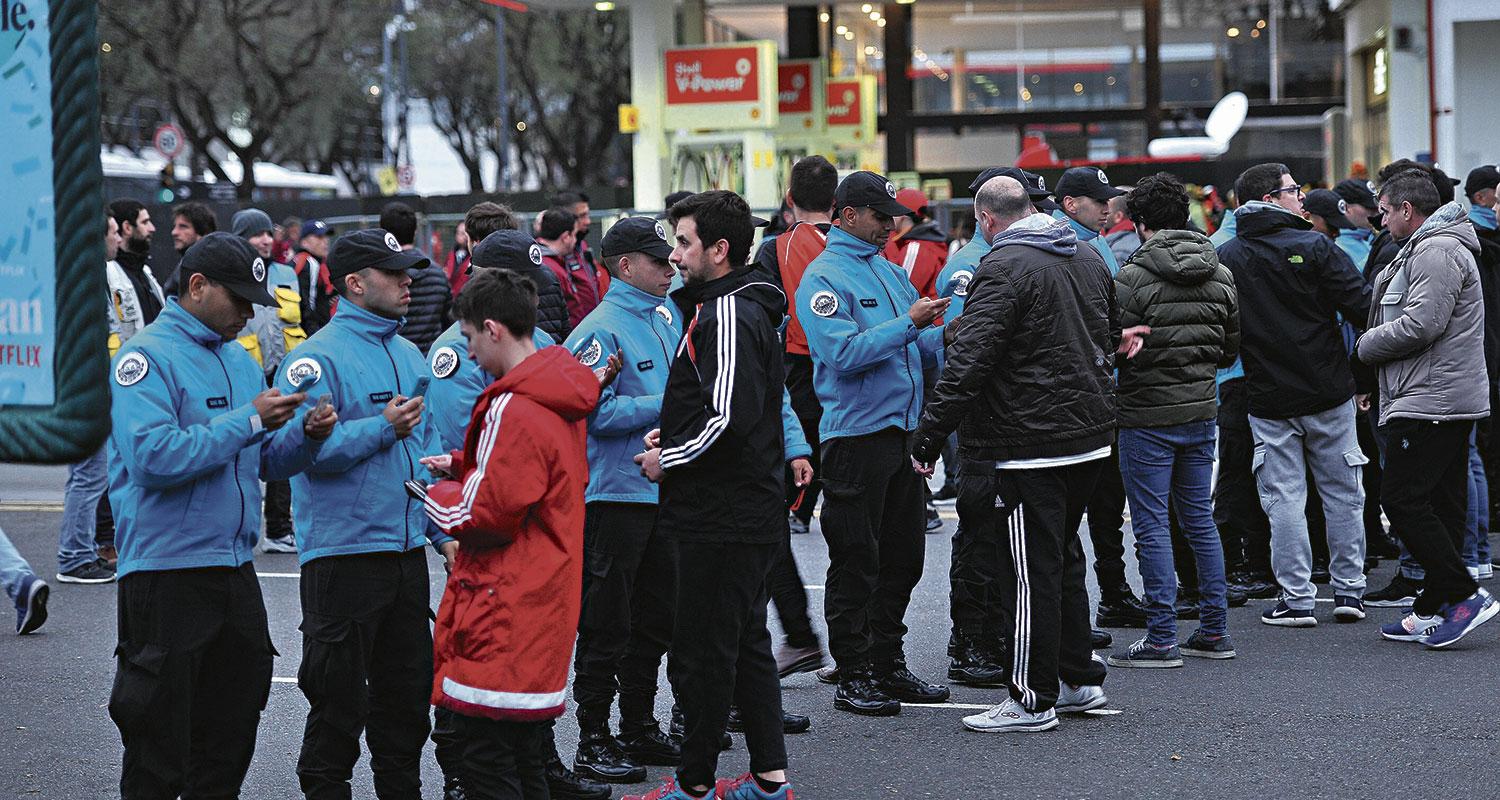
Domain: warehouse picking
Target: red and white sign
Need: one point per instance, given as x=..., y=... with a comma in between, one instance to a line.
x=851, y=108
x=799, y=94
x=169, y=141
x=719, y=87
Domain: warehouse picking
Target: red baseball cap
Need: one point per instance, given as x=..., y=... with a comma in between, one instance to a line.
x=913, y=199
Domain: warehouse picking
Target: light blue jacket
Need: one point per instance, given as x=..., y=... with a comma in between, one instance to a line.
x=867, y=354
x=189, y=452
x=953, y=281
x=1356, y=245
x=646, y=329
x=1092, y=237
x=351, y=499
x=457, y=382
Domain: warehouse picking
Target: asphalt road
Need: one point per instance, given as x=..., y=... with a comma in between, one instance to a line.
x=1324, y=712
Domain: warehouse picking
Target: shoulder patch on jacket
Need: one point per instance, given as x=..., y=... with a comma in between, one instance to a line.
x=444, y=362
x=666, y=313
x=824, y=303
x=131, y=369
x=961, y=281
x=589, y=356
x=302, y=369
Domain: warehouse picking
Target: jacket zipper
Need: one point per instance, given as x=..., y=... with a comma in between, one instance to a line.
x=406, y=519
x=905, y=350
x=237, y=486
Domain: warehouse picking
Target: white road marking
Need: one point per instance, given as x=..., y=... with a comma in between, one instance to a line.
x=283, y=680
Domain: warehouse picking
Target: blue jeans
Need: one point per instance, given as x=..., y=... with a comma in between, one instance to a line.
x=13, y=568
x=87, y=481
x=1175, y=462
x=1477, y=533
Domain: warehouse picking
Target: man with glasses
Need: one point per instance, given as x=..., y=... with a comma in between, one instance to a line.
x=1293, y=282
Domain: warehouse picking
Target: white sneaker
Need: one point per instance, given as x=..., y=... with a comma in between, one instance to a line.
x=1473, y=572
x=279, y=544
x=1486, y=572
x=1073, y=699
x=1010, y=717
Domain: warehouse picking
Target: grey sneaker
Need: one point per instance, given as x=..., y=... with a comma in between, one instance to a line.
x=1074, y=699
x=1201, y=645
x=1148, y=656
x=279, y=544
x=97, y=571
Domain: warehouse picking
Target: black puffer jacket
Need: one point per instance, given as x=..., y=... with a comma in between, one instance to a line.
x=1175, y=284
x=430, y=311
x=1293, y=284
x=1029, y=372
x=551, y=306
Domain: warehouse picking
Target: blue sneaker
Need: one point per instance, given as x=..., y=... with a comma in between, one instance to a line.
x=670, y=791
x=1288, y=617
x=1411, y=628
x=1145, y=655
x=1460, y=618
x=31, y=605
x=1347, y=608
x=745, y=788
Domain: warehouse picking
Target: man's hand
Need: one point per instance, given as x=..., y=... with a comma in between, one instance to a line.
x=925, y=470
x=450, y=552
x=926, y=310
x=404, y=414
x=1362, y=402
x=275, y=409
x=653, y=439
x=1131, y=340
x=441, y=466
x=611, y=369
x=317, y=424
x=650, y=462
x=802, y=471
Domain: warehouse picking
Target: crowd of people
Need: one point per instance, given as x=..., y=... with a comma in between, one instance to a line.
x=587, y=438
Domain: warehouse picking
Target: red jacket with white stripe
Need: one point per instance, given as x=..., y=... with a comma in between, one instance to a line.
x=922, y=253
x=505, y=630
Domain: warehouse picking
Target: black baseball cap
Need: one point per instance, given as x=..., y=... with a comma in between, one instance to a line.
x=1036, y=185
x=636, y=235
x=1481, y=178
x=228, y=260
x=1357, y=192
x=507, y=249
x=374, y=248
x=1086, y=182
x=1327, y=204
x=867, y=190
x=314, y=227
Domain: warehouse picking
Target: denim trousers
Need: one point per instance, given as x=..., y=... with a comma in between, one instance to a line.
x=13, y=568
x=87, y=481
x=1174, y=465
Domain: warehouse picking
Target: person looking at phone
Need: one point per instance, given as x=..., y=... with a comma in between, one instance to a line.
x=367, y=649
x=194, y=430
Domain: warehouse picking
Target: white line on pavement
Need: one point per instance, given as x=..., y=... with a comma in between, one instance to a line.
x=283, y=680
x=964, y=706
x=279, y=574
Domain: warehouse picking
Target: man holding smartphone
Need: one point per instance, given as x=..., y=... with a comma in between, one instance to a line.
x=367, y=649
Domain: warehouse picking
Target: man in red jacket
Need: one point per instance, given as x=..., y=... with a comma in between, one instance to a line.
x=919, y=246
x=514, y=501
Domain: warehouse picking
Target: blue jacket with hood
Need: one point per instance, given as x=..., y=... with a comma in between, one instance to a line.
x=1092, y=237
x=953, y=281
x=867, y=354
x=189, y=452
x=457, y=382
x=351, y=500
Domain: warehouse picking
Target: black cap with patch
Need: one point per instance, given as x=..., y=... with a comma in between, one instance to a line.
x=370, y=248
x=1481, y=178
x=1357, y=193
x=1086, y=182
x=1036, y=185
x=1327, y=204
x=507, y=249
x=636, y=235
x=867, y=190
x=228, y=260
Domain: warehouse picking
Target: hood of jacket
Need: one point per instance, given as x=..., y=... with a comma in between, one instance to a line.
x=1449, y=221
x=1083, y=232
x=553, y=379
x=1043, y=232
x=1257, y=218
x=364, y=323
x=1182, y=257
x=925, y=232
x=1485, y=218
x=748, y=282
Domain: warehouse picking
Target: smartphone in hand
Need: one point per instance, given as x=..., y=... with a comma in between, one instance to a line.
x=421, y=388
x=416, y=490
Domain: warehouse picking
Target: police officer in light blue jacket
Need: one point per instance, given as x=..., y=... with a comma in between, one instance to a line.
x=1083, y=195
x=194, y=432
x=870, y=336
x=367, y=647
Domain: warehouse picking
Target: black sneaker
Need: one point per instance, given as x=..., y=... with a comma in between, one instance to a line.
x=947, y=493
x=797, y=525
x=1347, y=609
x=646, y=744
x=602, y=759
x=1145, y=655
x=905, y=687
x=97, y=571
x=566, y=784
x=1187, y=608
x=859, y=694
x=453, y=789
x=1098, y=640
x=31, y=604
x=829, y=675
x=678, y=729
x=1255, y=586
x=1124, y=611
x=1320, y=573
x=1235, y=596
x=1201, y=645
x=1399, y=593
x=972, y=665
x=790, y=723
x=1283, y=615
x=1381, y=545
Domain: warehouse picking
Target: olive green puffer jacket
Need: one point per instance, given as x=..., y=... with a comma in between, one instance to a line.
x=1175, y=284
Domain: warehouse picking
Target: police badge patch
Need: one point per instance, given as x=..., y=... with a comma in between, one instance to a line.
x=390, y=241
x=961, y=281
x=666, y=313
x=535, y=254
x=825, y=304
x=131, y=369
x=258, y=270
x=302, y=369
x=444, y=362
x=589, y=356
x=661, y=232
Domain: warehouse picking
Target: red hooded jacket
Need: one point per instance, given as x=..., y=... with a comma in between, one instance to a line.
x=505, y=630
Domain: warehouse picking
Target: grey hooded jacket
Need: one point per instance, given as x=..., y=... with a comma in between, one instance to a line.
x=1426, y=328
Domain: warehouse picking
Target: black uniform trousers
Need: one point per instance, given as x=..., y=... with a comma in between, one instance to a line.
x=366, y=668
x=1426, y=496
x=1106, y=510
x=799, y=384
x=873, y=519
x=278, y=509
x=721, y=654
x=978, y=548
x=629, y=599
x=504, y=760
x=1040, y=509
x=1243, y=528
x=193, y=674
x=790, y=596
